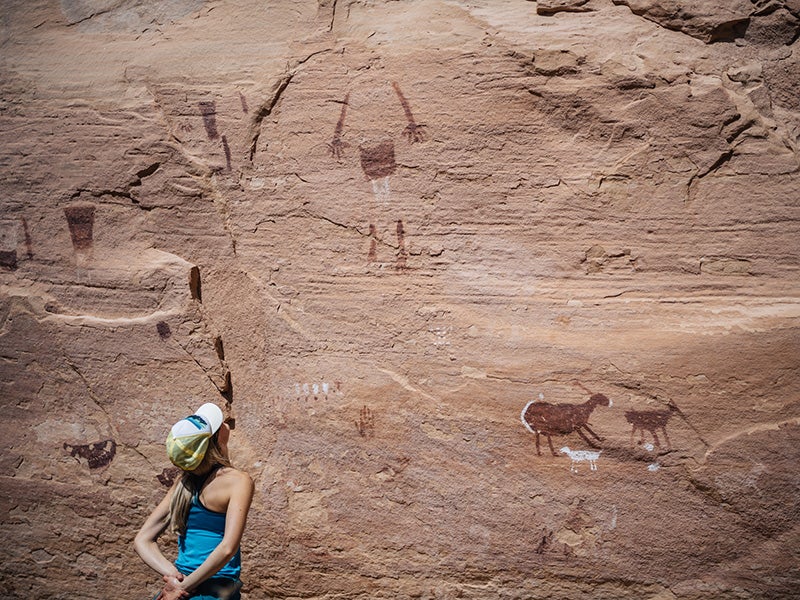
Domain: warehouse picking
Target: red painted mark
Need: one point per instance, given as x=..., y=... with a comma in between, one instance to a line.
x=336, y=146
x=97, y=455
x=164, y=332
x=413, y=131
x=209, y=112
x=378, y=161
x=227, y=152
x=561, y=419
x=168, y=475
x=404, y=102
x=366, y=423
x=195, y=284
x=81, y=223
x=28, y=241
x=651, y=421
x=402, y=255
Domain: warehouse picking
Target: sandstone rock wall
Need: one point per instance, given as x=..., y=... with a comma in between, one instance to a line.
x=385, y=236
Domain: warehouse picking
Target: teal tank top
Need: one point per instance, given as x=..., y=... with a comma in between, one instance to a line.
x=204, y=531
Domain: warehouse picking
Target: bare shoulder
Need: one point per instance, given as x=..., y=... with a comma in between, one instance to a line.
x=235, y=477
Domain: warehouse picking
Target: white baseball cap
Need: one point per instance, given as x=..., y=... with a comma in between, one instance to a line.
x=187, y=441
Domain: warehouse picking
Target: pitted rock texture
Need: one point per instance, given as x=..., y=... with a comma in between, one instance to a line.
x=388, y=237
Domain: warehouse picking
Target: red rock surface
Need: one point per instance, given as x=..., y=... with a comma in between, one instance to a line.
x=374, y=232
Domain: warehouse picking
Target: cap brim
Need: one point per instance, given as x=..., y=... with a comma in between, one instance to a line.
x=211, y=414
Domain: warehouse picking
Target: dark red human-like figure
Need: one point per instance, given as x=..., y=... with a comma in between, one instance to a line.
x=378, y=163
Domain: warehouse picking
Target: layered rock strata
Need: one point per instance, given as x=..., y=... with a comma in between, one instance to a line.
x=501, y=294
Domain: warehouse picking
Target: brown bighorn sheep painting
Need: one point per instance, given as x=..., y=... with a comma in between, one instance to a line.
x=561, y=419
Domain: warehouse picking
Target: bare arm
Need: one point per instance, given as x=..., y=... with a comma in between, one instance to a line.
x=145, y=541
x=235, y=520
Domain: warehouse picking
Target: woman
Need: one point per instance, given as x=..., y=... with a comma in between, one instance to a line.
x=207, y=507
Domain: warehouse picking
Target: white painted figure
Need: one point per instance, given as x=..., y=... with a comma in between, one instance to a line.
x=305, y=391
x=577, y=456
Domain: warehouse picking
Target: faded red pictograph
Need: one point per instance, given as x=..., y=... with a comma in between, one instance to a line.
x=366, y=423
x=97, y=455
x=164, y=332
x=208, y=110
x=379, y=162
x=8, y=244
x=373, y=243
x=168, y=476
x=28, y=240
x=414, y=132
x=336, y=146
x=651, y=421
x=227, y=149
x=80, y=219
x=402, y=254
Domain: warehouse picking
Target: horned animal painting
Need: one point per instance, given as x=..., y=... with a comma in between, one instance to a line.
x=561, y=419
x=652, y=421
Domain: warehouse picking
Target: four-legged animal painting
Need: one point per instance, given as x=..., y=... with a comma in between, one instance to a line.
x=544, y=418
x=561, y=419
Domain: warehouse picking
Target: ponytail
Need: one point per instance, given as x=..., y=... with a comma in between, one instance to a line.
x=190, y=484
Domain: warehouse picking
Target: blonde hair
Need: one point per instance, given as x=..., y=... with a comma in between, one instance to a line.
x=190, y=484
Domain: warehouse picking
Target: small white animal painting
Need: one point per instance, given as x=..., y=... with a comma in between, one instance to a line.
x=577, y=456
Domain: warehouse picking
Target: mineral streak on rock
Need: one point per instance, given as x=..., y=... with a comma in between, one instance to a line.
x=427, y=232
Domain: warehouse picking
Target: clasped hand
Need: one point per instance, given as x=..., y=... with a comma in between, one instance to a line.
x=172, y=589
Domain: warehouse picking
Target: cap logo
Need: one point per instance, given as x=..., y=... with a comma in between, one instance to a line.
x=197, y=421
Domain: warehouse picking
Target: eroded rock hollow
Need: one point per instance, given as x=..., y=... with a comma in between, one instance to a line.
x=502, y=295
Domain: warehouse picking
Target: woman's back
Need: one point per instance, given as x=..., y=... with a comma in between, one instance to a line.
x=205, y=526
x=207, y=507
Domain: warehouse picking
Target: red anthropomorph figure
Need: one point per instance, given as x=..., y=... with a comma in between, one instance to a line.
x=378, y=163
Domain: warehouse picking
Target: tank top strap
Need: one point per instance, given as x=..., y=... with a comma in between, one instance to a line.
x=200, y=481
